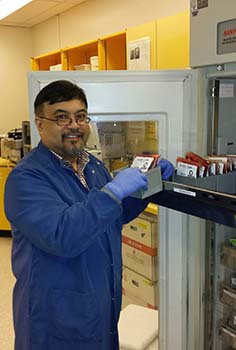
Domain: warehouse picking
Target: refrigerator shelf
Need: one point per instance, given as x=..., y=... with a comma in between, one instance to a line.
x=201, y=194
x=225, y=183
x=228, y=256
x=204, y=203
x=228, y=336
x=228, y=295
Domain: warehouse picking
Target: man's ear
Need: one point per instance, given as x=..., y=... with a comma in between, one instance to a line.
x=38, y=123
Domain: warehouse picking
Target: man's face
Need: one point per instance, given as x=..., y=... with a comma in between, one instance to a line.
x=68, y=140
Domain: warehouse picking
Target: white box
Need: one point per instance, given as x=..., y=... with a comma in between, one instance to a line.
x=94, y=63
x=138, y=327
x=138, y=260
x=56, y=67
x=83, y=67
x=144, y=291
x=143, y=229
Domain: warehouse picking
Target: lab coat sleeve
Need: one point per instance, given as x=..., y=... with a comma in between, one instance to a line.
x=35, y=209
x=132, y=207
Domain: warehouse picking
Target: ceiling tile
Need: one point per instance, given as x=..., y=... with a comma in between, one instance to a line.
x=38, y=11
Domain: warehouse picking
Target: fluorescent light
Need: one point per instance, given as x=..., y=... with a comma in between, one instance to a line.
x=9, y=6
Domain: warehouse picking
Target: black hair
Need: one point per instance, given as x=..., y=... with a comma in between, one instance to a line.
x=59, y=91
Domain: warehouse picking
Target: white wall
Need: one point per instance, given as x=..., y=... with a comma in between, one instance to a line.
x=15, y=53
x=95, y=18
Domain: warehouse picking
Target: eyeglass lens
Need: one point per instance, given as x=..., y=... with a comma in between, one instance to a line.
x=65, y=120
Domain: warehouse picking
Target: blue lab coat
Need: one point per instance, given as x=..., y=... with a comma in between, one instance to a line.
x=66, y=254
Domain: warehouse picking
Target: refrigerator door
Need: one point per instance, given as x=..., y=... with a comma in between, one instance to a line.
x=220, y=307
x=171, y=99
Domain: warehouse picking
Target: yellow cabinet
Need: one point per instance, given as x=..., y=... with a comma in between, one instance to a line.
x=173, y=41
x=5, y=168
x=43, y=62
x=112, y=52
x=80, y=54
x=169, y=47
x=169, y=41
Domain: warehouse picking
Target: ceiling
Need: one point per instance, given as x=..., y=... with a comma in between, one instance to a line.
x=38, y=11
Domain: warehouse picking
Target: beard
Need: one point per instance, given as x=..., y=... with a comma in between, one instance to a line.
x=72, y=148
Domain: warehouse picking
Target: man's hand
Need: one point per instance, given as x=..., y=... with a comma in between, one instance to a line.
x=167, y=168
x=127, y=182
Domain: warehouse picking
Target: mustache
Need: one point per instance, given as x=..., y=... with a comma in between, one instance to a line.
x=73, y=132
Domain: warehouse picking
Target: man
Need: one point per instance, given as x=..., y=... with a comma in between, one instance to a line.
x=66, y=214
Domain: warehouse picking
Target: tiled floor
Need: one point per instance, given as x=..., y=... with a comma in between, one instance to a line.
x=6, y=285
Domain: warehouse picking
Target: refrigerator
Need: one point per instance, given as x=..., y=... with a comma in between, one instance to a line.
x=213, y=50
x=164, y=107
x=178, y=111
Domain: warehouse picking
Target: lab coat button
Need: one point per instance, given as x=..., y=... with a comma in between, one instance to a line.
x=93, y=171
x=113, y=299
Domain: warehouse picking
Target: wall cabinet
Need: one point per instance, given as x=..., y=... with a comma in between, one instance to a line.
x=43, y=62
x=169, y=47
x=111, y=52
x=169, y=41
x=172, y=47
x=80, y=54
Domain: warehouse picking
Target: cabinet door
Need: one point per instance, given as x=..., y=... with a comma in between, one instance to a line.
x=141, y=31
x=112, y=52
x=173, y=41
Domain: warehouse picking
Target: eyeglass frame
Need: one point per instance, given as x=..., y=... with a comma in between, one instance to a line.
x=70, y=120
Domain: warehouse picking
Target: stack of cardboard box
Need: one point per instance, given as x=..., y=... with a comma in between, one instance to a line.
x=139, y=250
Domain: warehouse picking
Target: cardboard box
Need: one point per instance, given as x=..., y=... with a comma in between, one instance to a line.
x=140, y=289
x=128, y=298
x=138, y=259
x=143, y=229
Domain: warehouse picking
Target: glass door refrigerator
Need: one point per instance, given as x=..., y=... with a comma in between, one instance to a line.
x=213, y=51
x=169, y=113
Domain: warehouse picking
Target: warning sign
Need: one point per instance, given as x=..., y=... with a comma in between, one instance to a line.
x=226, y=37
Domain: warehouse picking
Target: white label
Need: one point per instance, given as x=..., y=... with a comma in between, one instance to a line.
x=226, y=90
x=184, y=169
x=143, y=163
x=139, y=54
x=188, y=193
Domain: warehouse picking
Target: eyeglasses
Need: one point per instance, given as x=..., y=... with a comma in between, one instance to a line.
x=65, y=120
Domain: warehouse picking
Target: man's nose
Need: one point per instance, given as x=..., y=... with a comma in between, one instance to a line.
x=73, y=123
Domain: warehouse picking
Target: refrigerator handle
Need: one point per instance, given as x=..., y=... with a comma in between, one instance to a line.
x=213, y=117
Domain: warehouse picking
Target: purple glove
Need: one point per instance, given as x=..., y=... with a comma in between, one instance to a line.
x=167, y=168
x=127, y=182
